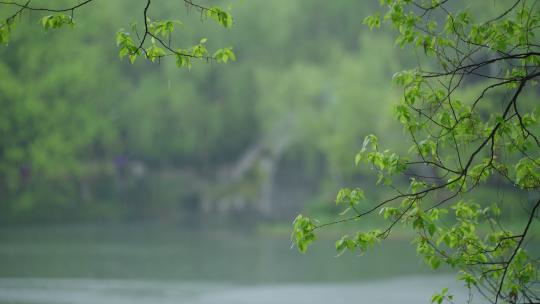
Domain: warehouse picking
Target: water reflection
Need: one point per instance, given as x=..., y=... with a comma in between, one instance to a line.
x=416, y=289
x=145, y=264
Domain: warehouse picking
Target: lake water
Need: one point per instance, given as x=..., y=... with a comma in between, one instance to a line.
x=141, y=264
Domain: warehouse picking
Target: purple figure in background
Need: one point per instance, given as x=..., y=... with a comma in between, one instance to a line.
x=26, y=173
x=121, y=164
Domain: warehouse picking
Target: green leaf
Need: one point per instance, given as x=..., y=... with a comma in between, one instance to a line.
x=220, y=16
x=303, y=234
x=56, y=21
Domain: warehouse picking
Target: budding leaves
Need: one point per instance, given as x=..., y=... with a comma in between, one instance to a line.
x=220, y=16
x=438, y=298
x=163, y=28
x=56, y=21
x=361, y=241
x=302, y=235
x=156, y=49
x=127, y=46
x=225, y=55
x=154, y=41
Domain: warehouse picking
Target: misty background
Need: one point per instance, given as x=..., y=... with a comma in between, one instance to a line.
x=141, y=183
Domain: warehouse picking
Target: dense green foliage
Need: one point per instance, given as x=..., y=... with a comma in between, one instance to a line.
x=472, y=122
x=88, y=136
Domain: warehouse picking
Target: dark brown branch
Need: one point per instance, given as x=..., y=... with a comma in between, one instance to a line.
x=45, y=9
x=518, y=246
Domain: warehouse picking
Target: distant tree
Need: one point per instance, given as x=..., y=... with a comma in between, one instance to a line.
x=151, y=40
x=47, y=128
x=470, y=111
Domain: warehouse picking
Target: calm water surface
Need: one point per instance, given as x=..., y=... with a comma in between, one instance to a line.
x=171, y=265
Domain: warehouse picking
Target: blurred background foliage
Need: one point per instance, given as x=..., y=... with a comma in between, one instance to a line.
x=86, y=137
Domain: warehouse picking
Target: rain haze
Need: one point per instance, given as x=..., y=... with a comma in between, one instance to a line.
x=186, y=151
